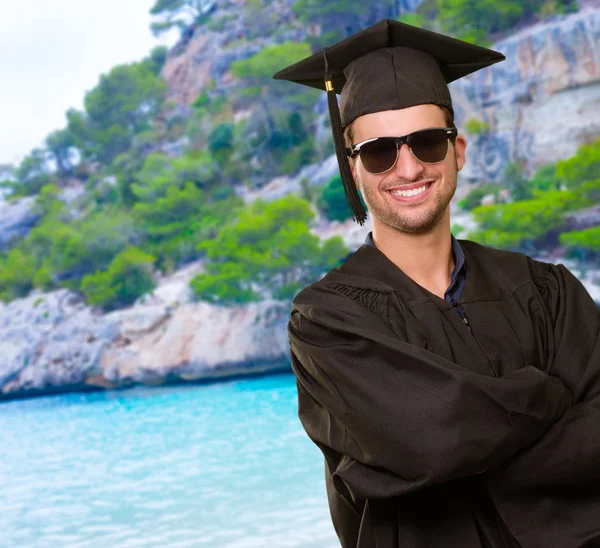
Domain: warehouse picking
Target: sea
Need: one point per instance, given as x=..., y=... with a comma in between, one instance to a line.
x=207, y=465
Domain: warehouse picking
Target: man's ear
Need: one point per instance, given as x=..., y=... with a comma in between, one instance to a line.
x=353, y=171
x=460, y=146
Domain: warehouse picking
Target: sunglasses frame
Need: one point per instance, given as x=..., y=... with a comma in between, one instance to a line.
x=354, y=150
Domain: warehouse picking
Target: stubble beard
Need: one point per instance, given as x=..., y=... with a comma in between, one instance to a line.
x=407, y=219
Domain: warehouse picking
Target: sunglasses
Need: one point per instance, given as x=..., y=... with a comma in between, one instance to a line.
x=429, y=146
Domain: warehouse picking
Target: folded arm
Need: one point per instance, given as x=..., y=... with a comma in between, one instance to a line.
x=404, y=417
x=568, y=453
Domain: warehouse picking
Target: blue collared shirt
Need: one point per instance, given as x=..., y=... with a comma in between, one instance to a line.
x=457, y=279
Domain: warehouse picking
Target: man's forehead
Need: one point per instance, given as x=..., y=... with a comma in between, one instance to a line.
x=404, y=120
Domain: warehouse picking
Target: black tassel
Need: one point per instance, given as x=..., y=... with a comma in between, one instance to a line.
x=352, y=195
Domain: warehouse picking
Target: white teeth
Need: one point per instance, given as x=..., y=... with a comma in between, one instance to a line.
x=409, y=192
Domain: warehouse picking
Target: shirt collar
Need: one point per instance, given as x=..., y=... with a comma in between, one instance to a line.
x=457, y=251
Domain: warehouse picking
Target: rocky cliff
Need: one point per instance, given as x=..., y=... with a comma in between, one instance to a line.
x=17, y=218
x=204, y=54
x=541, y=104
x=53, y=342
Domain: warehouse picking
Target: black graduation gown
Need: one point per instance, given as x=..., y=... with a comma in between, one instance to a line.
x=435, y=436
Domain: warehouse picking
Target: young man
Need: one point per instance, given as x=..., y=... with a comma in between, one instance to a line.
x=453, y=389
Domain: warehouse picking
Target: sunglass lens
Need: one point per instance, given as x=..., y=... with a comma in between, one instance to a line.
x=378, y=156
x=429, y=146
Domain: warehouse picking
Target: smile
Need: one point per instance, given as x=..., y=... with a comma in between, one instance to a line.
x=412, y=193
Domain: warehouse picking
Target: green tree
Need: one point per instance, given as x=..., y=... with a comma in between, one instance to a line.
x=517, y=184
x=7, y=177
x=474, y=197
x=179, y=14
x=268, y=251
x=173, y=224
x=17, y=270
x=157, y=59
x=278, y=126
x=585, y=243
x=126, y=168
x=124, y=103
x=297, y=129
x=581, y=168
x=203, y=100
x=416, y=20
x=43, y=278
x=260, y=22
x=128, y=277
x=332, y=201
x=308, y=191
x=283, y=120
x=257, y=71
x=178, y=214
x=160, y=172
x=337, y=18
x=555, y=7
x=518, y=225
x=220, y=142
x=476, y=127
x=299, y=156
x=32, y=174
x=475, y=20
x=545, y=178
x=48, y=202
x=61, y=147
x=70, y=249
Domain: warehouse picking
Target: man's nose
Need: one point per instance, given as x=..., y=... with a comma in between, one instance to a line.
x=407, y=166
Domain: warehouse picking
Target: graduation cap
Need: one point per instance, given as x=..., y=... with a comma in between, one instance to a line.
x=387, y=66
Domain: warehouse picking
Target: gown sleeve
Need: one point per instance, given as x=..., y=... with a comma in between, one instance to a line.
x=403, y=417
x=568, y=453
x=549, y=493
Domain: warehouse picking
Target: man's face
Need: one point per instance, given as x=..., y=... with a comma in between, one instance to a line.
x=416, y=214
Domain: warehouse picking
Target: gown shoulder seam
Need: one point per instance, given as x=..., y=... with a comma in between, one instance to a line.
x=376, y=301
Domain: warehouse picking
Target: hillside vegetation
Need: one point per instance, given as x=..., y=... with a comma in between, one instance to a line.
x=145, y=209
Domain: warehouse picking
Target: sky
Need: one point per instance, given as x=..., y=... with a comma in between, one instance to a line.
x=52, y=52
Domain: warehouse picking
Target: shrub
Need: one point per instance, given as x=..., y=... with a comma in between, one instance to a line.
x=474, y=197
x=128, y=277
x=475, y=126
x=518, y=224
x=17, y=270
x=332, y=201
x=268, y=251
x=583, y=242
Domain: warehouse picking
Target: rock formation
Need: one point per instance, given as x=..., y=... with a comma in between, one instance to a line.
x=540, y=104
x=53, y=342
x=17, y=218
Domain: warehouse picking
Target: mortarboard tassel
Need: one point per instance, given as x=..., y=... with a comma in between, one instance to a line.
x=352, y=195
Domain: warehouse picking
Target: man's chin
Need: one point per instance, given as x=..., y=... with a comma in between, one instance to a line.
x=413, y=226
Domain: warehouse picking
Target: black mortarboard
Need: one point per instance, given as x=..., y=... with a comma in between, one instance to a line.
x=387, y=66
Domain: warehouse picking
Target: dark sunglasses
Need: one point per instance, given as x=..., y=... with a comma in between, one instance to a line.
x=429, y=146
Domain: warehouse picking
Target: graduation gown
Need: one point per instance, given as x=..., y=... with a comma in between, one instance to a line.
x=434, y=435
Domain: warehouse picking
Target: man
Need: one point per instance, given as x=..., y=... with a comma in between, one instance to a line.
x=453, y=389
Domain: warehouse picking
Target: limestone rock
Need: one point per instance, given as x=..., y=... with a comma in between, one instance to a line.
x=582, y=219
x=200, y=341
x=541, y=104
x=316, y=174
x=53, y=342
x=17, y=218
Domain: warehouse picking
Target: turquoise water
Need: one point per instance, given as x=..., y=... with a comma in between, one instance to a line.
x=223, y=465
